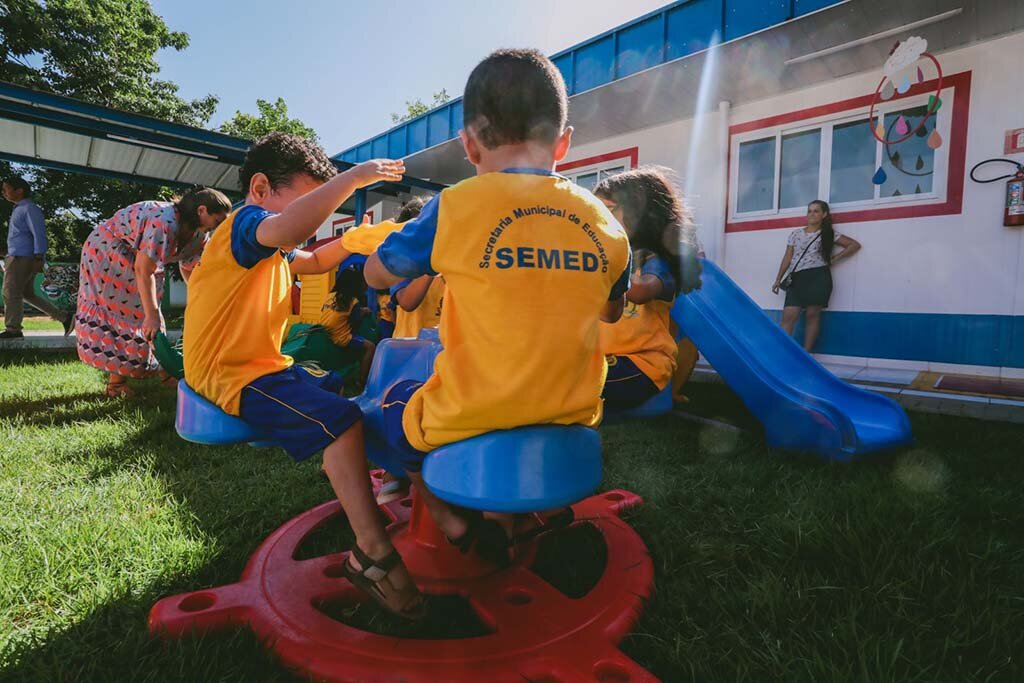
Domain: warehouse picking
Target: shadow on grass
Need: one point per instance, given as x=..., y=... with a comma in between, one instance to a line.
x=768, y=566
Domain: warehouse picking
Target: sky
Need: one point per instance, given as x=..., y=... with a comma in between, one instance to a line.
x=343, y=66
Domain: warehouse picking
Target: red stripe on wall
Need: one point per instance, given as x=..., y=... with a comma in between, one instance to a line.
x=633, y=154
x=961, y=84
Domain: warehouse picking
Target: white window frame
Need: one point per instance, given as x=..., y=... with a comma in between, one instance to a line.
x=943, y=119
x=621, y=162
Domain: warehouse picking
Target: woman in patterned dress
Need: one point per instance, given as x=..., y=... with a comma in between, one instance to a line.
x=122, y=276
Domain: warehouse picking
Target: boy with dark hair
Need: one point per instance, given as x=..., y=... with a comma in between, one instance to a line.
x=237, y=314
x=531, y=262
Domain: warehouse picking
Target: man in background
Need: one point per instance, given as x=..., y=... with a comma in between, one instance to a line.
x=26, y=249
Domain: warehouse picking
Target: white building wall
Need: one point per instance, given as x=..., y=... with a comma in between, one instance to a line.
x=966, y=263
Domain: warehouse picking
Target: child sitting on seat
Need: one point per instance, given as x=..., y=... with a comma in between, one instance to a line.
x=508, y=242
x=385, y=314
x=640, y=346
x=237, y=314
x=341, y=315
x=418, y=301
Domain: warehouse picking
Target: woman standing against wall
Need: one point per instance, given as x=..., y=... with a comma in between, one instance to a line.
x=808, y=279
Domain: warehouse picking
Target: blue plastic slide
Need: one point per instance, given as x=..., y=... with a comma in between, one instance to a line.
x=802, y=406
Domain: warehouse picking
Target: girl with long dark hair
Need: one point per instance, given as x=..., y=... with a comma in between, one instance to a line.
x=341, y=315
x=811, y=283
x=640, y=347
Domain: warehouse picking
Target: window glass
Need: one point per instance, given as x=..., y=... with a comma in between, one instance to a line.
x=587, y=180
x=798, y=169
x=853, y=162
x=756, y=175
x=909, y=165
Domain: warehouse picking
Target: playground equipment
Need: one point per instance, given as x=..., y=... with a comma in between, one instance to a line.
x=535, y=633
x=802, y=406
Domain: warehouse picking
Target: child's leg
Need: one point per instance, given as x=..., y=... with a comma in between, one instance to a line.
x=450, y=523
x=299, y=410
x=364, y=367
x=345, y=464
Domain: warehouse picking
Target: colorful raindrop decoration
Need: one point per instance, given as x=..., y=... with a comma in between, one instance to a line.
x=935, y=140
x=904, y=85
x=922, y=132
x=934, y=103
x=879, y=177
x=896, y=160
x=920, y=161
x=920, y=75
x=902, y=127
x=888, y=90
x=880, y=129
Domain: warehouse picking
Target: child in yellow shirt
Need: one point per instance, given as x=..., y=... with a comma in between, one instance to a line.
x=508, y=242
x=640, y=346
x=236, y=317
x=341, y=316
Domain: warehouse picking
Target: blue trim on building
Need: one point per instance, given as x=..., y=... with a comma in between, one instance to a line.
x=677, y=30
x=992, y=340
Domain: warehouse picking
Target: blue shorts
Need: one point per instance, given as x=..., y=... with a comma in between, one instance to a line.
x=626, y=386
x=299, y=408
x=393, y=407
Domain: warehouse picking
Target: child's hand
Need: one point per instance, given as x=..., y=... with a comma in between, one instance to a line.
x=376, y=170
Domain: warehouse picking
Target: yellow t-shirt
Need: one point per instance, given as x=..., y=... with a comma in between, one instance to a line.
x=238, y=306
x=643, y=333
x=426, y=315
x=384, y=310
x=337, y=323
x=529, y=260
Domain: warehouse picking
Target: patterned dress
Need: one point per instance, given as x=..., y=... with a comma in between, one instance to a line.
x=109, y=320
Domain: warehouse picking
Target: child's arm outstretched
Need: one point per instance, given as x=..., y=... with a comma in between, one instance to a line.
x=405, y=254
x=412, y=295
x=299, y=221
x=321, y=260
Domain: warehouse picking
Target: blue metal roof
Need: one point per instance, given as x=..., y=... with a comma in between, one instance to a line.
x=677, y=30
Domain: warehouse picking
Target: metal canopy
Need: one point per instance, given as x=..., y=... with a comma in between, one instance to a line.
x=62, y=133
x=52, y=131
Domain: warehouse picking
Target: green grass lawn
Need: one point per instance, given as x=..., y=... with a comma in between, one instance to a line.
x=37, y=323
x=769, y=566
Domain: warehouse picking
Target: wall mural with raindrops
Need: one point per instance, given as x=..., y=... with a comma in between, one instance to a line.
x=909, y=136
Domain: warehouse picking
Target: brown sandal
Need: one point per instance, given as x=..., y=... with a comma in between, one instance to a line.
x=404, y=600
x=118, y=389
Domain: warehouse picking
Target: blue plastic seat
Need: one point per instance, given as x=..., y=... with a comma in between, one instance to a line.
x=517, y=470
x=394, y=360
x=527, y=469
x=199, y=421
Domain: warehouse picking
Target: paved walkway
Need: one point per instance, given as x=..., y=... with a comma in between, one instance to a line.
x=913, y=390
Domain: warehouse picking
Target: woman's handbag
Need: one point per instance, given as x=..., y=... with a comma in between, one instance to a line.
x=787, y=281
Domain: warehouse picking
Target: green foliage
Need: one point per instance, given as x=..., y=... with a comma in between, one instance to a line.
x=103, y=52
x=273, y=117
x=416, y=107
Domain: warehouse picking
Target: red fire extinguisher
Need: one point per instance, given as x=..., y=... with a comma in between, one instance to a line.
x=1013, y=211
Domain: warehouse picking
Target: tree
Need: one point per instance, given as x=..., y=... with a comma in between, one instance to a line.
x=99, y=51
x=273, y=117
x=417, y=107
